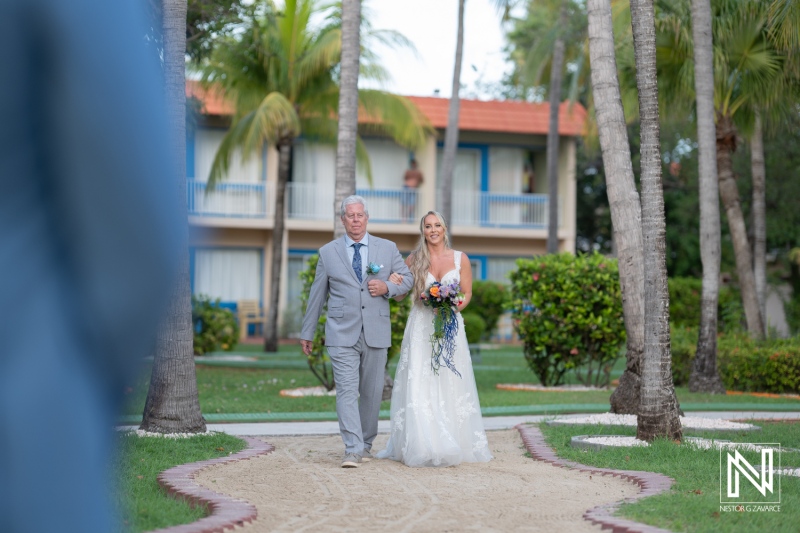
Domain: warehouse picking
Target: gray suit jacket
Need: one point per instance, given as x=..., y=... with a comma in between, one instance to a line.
x=350, y=306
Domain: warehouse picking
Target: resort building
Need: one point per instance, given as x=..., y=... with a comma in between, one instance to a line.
x=500, y=200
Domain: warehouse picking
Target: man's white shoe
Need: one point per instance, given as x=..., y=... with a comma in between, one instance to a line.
x=351, y=460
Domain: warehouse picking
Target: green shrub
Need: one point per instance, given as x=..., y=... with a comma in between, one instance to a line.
x=685, y=295
x=490, y=299
x=474, y=326
x=215, y=328
x=398, y=311
x=772, y=365
x=683, y=343
x=792, y=309
x=318, y=361
x=568, y=312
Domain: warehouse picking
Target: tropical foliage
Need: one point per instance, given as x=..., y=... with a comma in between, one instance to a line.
x=567, y=311
x=280, y=72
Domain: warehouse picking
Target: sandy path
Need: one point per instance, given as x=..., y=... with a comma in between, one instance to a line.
x=301, y=487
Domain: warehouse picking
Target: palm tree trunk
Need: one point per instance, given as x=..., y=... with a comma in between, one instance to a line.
x=623, y=198
x=658, y=412
x=726, y=144
x=172, y=404
x=556, y=74
x=759, y=216
x=271, y=328
x=705, y=375
x=348, y=110
x=445, y=189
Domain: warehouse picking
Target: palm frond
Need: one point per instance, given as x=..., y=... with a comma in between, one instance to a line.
x=396, y=116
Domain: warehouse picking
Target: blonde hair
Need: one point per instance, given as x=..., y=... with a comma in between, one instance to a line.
x=421, y=256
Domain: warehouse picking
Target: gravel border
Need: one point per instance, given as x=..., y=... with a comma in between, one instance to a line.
x=226, y=512
x=651, y=484
x=696, y=423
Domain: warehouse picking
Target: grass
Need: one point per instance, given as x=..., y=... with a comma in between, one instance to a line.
x=142, y=503
x=227, y=387
x=692, y=505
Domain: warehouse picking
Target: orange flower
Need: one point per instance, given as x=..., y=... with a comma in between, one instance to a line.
x=435, y=291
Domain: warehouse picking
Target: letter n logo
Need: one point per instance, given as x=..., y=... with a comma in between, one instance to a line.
x=760, y=478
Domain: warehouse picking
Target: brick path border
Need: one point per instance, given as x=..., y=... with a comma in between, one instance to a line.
x=226, y=512
x=650, y=484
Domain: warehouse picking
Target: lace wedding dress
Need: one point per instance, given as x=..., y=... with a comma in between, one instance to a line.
x=435, y=419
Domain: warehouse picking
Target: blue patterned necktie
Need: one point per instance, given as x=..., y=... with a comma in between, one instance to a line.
x=357, y=260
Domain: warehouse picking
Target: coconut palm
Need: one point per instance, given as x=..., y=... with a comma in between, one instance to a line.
x=623, y=197
x=658, y=411
x=348, y=109
x=705, y=375
x=748, y=68
x=444, y=192
x=552, y=33
x=279, y=72
x=172, y=404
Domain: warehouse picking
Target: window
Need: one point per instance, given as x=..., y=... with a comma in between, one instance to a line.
x=499, y=267
x=228, y=274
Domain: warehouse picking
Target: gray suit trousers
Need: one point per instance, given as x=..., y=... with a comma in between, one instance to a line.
x=358, y=372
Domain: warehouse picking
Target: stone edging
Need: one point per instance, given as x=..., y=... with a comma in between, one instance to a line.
x=650, y=483
x=226, y=512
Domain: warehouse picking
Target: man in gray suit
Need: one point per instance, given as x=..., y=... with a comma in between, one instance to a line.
x=358, y=330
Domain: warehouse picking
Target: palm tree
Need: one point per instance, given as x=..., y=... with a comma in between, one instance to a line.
x=552, y=32
x=444, y=192
x=279, y=73
x=658, y=412
x=556, y=73
x=758, y=176
x=172, y=404
x=705, y=375
x=348, y=109
x=748, y=68
x=623, y=197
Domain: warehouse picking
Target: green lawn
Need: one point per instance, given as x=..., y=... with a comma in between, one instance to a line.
x=142, y=504
x=254, y=387
x=693, y=503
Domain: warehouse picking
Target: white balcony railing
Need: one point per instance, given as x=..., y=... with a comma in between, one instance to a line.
x=500, y=210
x=246, y=200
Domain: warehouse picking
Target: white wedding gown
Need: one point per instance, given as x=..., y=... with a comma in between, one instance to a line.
x=435, y=419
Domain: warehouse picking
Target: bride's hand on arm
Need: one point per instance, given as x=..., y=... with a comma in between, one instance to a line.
x=397, y=279
x=466, y=281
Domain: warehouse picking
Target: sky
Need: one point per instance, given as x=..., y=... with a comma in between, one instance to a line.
x=431, y=25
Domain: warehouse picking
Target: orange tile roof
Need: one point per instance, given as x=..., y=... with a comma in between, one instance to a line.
x=503, y=116
x=474, y=115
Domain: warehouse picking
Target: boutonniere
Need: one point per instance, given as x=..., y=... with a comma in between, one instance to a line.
x=373, y=268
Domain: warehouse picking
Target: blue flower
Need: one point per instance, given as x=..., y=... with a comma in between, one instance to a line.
x=373, y=268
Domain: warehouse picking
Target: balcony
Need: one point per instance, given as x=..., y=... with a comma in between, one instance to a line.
x=312, y=202
x=237, y=200
x=500, y=210
x=315, y=202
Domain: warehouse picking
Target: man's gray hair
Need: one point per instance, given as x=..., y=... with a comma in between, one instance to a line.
x=354, y=199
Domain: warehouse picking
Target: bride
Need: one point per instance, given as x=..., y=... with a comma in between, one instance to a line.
x=435, y=417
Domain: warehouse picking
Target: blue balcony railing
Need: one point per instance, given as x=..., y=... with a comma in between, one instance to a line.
x=311, y=201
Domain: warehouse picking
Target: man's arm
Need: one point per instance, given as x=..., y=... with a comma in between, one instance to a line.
x=316, y=301
x=399, y=266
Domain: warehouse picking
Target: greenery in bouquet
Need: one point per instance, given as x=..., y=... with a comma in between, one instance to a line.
x=444, y=299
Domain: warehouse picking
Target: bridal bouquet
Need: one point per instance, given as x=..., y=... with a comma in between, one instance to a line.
x=444, y=300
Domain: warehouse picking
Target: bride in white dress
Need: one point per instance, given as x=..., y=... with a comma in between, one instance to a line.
x=435, y=419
